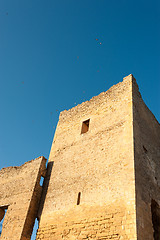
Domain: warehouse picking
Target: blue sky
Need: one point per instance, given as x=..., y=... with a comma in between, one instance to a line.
x=50, y=60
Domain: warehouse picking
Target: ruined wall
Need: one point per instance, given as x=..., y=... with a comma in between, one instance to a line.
x=102, y=178
x=20, y=192
x=97, y=167
x=147, y=165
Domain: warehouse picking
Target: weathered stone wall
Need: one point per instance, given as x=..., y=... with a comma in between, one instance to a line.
x=20, y=192
x=99, y=184
x=113, y=221
x=147, y=165
x=99, y=165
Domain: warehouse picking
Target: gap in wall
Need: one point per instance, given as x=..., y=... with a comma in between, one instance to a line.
x=35, y=228
x=4, y=208
x=41, y=181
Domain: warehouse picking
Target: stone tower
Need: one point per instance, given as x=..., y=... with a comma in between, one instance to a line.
x=102, y=180
x=105, y=181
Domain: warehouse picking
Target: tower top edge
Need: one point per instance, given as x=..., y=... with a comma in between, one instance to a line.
x=130, y=79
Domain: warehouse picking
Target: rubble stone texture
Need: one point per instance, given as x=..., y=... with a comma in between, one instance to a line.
x=102, y=179
x=20, y=194
x=104, y=176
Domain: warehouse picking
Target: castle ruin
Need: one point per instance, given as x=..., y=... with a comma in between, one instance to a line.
x=102, y=179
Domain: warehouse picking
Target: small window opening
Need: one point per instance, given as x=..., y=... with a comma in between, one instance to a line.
x=85, y=126
x=41, y=181
x=155, y=210
x=3, y=211
x=145, y=150
x=79, y=198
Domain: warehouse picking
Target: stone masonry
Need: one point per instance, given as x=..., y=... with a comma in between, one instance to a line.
x=20, y=194
x=96, y=166
x=102, y=179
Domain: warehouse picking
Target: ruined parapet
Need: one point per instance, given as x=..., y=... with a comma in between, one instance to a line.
x=20, y=193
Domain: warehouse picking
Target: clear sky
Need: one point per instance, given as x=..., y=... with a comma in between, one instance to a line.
x=55, y=54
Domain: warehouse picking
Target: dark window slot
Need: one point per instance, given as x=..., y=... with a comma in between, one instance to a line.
x=85, y=126
x=79, y=198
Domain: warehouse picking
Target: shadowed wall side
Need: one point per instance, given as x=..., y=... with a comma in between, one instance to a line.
x=147, y=167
